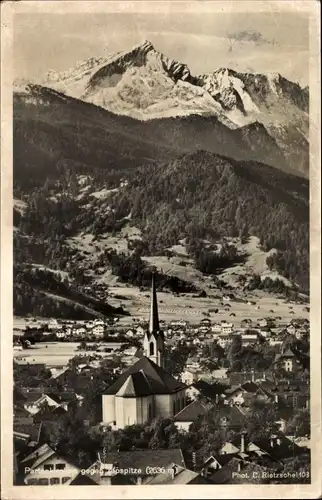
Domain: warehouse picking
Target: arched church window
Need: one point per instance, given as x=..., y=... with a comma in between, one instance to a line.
x=151, y=349
x=174, y=407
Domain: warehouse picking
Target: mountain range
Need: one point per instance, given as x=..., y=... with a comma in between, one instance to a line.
x=145, y=84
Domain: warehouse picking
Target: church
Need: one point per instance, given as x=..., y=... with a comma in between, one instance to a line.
x=145, y=391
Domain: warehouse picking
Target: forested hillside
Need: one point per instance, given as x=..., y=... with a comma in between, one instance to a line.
x=202, y=195
x=80, y=170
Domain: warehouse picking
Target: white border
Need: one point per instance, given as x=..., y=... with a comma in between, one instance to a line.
x=10, y=492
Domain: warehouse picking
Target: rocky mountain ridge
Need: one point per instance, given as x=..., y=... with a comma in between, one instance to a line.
x=145, y=84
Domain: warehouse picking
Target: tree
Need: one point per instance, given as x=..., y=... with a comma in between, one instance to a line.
x=297, y=470
x=300, y=425
x=262, y=422
x=234, y=353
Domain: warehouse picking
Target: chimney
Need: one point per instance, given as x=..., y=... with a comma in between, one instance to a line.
x=173, y=471
x=242, y=442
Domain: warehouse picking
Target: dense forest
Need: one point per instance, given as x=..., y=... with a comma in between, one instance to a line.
x=204, y=196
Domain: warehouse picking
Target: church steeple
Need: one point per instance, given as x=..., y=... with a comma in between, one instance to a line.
x=154, y=325
x=154, y=339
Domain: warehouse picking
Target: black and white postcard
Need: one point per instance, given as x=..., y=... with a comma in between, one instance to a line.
x=160, y=250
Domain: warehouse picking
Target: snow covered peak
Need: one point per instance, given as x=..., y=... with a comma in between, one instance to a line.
x=145, y=84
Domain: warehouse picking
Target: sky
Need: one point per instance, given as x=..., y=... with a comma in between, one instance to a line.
x=252, y=42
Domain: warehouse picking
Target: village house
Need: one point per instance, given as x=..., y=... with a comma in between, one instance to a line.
x=140, y=331
x=60, y=334
x=273, y=449
x=52, y=414
x=130, y=351
x=245, y=394
x=266, y=334
x=249, y=338
x=204, y=329
x=53, y=324
x=246, y=323
x=294, y=393
x=185, y=417
x=275, y=341
x=26, y=433
x=224, y=340
x=46, y=467
x=98, y=330
x=288, y=361
x=129, y=333
x=79, y=331
x=239, y=378
x=178, y=323
x=226, y=328
x=98, y=321
x=291, y=329
x=192, y=364
x=209, y=392
x=216, y=328
x=190, y=376
x=215, y=462
x=35, y=401
x=232, y=415
x=220, y=373
x=302, y=334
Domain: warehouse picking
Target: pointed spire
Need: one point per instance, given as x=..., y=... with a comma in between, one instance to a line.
x=154, y=316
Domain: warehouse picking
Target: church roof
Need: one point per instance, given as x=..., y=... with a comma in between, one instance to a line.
x=144, y=378
x=136, y=385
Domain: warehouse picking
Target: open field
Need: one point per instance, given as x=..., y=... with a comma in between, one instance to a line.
x=193, y=309
x=56, y=353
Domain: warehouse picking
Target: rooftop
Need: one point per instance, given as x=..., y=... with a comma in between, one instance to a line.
x=141, y=459
x=154, y=380
x=191, y=412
